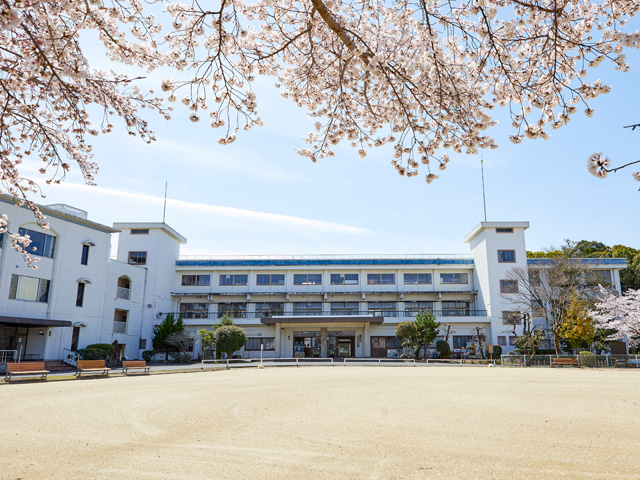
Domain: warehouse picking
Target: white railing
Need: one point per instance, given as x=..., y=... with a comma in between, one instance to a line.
x=123, y=293
x=9, y=356
x=308, y=361
x=119, y=327
x=70, y=357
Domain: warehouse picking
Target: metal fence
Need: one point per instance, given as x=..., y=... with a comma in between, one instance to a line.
x=602, y=361
x=247, y=362
x=9, y=356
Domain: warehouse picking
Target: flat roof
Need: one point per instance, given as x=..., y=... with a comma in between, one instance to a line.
x=33, y=322
x=482, y=225
x=586, y=261
x=151, y=226
x=51, y=212
x=324, y=260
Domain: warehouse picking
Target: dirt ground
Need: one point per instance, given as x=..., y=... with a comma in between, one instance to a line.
x=326, y=423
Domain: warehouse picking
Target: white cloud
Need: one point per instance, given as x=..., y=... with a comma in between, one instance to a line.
x=272, y=219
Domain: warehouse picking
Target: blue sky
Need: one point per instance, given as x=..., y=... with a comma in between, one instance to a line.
x=257, y=196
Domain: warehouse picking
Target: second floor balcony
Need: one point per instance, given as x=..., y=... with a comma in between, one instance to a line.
x=457, y=312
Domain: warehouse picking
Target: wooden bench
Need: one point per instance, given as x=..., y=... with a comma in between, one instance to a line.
x=566, y=362
x=91, y=366
x=26, y=368
x=134, y=364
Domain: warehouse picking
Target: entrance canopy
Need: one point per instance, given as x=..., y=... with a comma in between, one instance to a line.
x=322, y=319
x=33, y=322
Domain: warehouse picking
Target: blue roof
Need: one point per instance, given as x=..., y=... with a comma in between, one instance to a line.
x=327, y=262
x=586, y=261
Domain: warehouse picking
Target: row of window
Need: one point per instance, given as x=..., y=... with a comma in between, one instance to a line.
x=269, y=309
x=43, y=245
x=316, y=278
x=32, y=289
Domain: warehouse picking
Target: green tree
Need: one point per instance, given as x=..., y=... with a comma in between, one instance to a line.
x=229, y=339
x=577, y=330
x=206, y=340
x=418, y=334
x=162, y=332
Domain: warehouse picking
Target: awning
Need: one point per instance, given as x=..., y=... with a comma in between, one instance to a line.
x=322, y=319
x=33, y=322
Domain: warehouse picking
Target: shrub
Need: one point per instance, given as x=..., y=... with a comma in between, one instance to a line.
x=444, y=350
x=181, y=357
x=497, y=351
x=545, y=351
x=587, y=359
x=228, y=339
x=147, y=355
x=97, y=351
x=89, y=354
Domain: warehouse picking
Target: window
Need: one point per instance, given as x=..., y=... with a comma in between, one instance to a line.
x=269, y=309
x=270, y=279
x=80, y=294
x=417, y=278
x=139, y=231
x=42, y=245
x=386, y=309
x=344, y=279
x=511, y=318
x=534, y=277
x=194, y=310
x=84, y=258
x=454, y=278
x=234, y=310
x=198, y=280
x=386, y=347
x=512, y=341
x=142, y=344
x=307, y=279
x=461, y=341
x=381, y=279
x=413, y=308
x=253, y=344
x=537, y=309
x=307, y=308
x=506, y=256
x=455, y=309
x=502, y=341
x=345, y=308
x=504, y=230
x=599, y=276
x=508, y=286
x=137, y=258
x=233, y=280
x=29, y=288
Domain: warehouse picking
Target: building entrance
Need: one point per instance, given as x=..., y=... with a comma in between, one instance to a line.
x=340, y=344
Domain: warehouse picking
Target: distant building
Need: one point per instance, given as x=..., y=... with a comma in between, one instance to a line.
x=315, y=305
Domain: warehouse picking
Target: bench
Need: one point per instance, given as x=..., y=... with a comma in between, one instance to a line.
x=91, y=366
x=26, y=368
x=565, y=362
x=134, y=364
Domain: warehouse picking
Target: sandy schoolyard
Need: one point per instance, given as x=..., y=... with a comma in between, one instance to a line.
x=327, y=423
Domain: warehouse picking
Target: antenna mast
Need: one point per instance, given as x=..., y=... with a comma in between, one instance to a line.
x=164, y=209
x=484, y=198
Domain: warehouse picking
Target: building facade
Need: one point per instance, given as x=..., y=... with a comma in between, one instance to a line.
x=290, y=306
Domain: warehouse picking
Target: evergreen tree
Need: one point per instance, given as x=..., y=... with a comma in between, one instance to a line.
x=163, y=330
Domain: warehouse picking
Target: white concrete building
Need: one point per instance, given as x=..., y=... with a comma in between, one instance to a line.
x=317, y=305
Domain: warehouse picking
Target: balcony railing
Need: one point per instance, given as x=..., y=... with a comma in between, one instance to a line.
x=119, y=327
x=123, y=293
x=457, y=312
